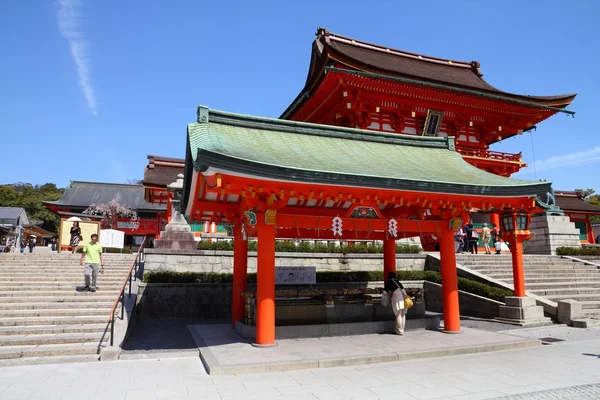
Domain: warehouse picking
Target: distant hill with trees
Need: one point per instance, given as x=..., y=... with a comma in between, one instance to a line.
x=30, y=197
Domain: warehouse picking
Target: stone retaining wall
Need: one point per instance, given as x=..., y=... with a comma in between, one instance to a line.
x=222, y=261
x=470, y=304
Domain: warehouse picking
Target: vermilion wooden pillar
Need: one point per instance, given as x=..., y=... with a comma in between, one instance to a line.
x=389, y=256
x=240, y=272
x=265, y=283
x=590, y=231
x=516, y=250
x=449, y=282
x=495, y=219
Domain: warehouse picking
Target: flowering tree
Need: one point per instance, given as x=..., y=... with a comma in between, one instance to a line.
x=111, y=212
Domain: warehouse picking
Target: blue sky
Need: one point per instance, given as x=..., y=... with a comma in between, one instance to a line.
x=89, y=88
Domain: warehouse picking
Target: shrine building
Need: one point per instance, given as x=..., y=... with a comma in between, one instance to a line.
x=80, y=195
x=380, y=144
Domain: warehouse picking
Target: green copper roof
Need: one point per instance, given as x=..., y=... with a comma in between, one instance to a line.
x=302, y=152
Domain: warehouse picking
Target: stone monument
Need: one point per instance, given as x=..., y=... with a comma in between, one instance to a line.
x=177, y=234
x=551, y=229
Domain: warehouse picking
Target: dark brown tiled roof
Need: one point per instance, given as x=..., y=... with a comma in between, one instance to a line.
x=569, y=201
x=353, y=54
x=162, y=171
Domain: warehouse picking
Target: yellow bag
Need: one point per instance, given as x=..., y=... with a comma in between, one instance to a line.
x=408, y=303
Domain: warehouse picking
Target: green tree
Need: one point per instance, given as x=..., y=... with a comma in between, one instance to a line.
x=592, y=198
x=30, y=198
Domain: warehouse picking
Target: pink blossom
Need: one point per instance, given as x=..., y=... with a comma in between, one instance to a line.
x=111, y=212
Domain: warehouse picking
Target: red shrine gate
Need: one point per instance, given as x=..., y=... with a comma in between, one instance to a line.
x=281, y=179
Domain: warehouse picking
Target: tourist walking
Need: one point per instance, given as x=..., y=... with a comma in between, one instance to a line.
x=496, y=238
x=469, y=236
x=31, y=244
x=92, y=254
x=22, y=247
x=396, y=293
x=75, y=237
x=485, y=238
x=474, y=241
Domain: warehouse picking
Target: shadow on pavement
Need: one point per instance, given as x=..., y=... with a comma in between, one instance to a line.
x=163, y=334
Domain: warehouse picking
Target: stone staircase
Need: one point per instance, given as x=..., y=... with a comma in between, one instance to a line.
x=552, y=277
x=45, y=316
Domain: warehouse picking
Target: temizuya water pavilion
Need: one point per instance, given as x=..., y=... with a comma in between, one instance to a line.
x=270, y=178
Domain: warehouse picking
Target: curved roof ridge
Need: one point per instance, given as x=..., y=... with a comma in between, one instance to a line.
x=309, y=128
x=322, y=32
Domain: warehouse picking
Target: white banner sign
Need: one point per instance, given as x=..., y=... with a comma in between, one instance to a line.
x=295, y=275
x=112, y=238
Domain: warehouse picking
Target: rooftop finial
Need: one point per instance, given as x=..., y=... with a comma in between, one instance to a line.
x=202, y=114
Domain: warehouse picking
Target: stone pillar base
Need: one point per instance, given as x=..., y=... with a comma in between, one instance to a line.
x=177, y=235
x=522, y=311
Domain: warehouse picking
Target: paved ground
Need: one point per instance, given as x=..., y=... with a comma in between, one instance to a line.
x=160, y=335
x=224, y=352
x=534, y=371
x=560, y=332
x=582, y=392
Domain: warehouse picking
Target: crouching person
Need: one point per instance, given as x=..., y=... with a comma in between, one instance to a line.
x=92, y=253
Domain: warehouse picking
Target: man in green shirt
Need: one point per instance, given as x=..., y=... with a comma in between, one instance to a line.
x=92, y=252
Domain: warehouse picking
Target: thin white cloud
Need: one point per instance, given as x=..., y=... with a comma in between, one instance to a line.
x=577, y=158
x=68, y=24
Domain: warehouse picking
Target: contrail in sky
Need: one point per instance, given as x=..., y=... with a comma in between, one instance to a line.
x=68, y=24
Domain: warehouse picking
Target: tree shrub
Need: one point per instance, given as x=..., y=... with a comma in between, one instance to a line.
x=464, y=284
x=578, y=251
x=318, y=247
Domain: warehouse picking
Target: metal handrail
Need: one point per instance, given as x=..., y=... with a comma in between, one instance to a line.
x=121, y=295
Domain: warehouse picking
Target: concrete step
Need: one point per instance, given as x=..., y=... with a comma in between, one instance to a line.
x=113, y=280
x=52, y=338
x=564, y=285
x=45, y=350
x=56, y=269
x=551, y=279
x=549, y=274
x=55, y=320
x=564, y=292
x=590, y=304
x=54, y=313
x=65, y=291
x=592, y=313
x=579, y=297
x=66, y=288
x=55, y=305
x=58, y=299
x=15, y=362
x=51, y=329
x=575, y=267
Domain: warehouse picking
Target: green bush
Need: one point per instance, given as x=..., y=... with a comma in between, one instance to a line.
x=306, y=247
x=577, y=251
x=107, y=250
x=403, y=248
x=466, y=285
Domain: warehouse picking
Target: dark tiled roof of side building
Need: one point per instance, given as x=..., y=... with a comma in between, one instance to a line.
x=10, y=212
x=162, y=171
x=83, y=194
x=569, y=201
